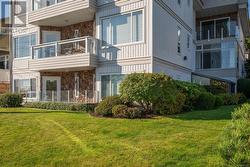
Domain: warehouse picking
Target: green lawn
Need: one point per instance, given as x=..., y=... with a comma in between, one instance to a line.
x=31, y=137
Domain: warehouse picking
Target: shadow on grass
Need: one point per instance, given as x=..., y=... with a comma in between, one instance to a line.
x=222, y=113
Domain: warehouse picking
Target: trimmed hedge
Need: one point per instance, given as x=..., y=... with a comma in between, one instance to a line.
x=235, y=141
x=233, y=99
x=206, y=101
x=62, y=106
x=191, y=91
x=243, y=86
x=11, y=100
x=122, y=111
x=105, y=107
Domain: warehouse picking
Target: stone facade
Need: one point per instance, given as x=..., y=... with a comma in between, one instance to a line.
x=4, y=87
x=86, y=82
x=67, y=32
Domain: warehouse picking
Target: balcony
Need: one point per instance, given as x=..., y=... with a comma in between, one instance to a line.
x=61, y=12
x=71, y=54
x=217, y=29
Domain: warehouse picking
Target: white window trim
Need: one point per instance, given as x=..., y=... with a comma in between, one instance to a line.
x=110, y=29
x=19, y=36
x=28, y=98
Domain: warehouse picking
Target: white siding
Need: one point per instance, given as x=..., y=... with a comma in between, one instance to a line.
x=165, y=35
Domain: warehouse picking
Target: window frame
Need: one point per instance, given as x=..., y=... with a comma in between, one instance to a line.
x=131, y=27
x=110, y=82
x=30, y=49
x=30, y=82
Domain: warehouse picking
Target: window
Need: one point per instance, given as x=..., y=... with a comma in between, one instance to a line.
x=22, y=45
x=110, y=84
x=179, y=40
x=26, y=87
x=122, y=29
x=4, y=62
x=219, y=55
x=188, y=41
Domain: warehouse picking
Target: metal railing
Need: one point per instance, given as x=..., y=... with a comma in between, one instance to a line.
x=65, y=48
x=66, y=96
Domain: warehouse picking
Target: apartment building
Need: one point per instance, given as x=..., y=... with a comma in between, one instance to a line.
x=4, y=57
x=80, y=50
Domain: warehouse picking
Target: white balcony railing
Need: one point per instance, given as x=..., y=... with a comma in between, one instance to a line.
x=83, y=45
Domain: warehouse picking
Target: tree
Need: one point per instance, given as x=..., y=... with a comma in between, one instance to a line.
x=247, y=64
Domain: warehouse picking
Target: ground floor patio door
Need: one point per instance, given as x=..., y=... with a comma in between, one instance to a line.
x=51, y=88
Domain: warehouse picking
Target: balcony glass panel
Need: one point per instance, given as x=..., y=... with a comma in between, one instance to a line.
x=218, y=28
x=38, y=4
x=207, y=30
x=222, y=28
x=65, y=48
x=221, y=55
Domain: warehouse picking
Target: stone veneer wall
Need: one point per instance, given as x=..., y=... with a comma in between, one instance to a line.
x=67, y=32
x=68, y=79
x=4, y=87
x=86, y=83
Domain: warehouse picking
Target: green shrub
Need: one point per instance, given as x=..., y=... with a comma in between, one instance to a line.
x=206, y=101
x=218, y=101
x=147, y=89
x=243, y=87
x=11, y=100
x=233, y=99
x=235, y=141
x=135, y=112
x=192, y=92
x=61, y=106
x=104, y=108
x=119, y=111
x=172, y=106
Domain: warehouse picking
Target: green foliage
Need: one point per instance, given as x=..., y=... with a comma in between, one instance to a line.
x=135, y=112
x=104, y=108
x=243, y=86
x=147, y=89
x=192, y=92
x=11, y=100
x=218, y=101
x=122, y=111
x=217, y=87
x=172, y=106
x=235, y=142
x=206, y=101
x=61, y=106
x=233, y=99
x=119, y=111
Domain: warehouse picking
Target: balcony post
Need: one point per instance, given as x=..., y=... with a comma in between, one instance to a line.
x=86, y=45
x=56, y=49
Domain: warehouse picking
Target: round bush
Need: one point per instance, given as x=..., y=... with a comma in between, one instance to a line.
x=147, y=89
x=120, y=111
x=135, y=112
x=192, y=92
x=218, y=101
x=171, y=106
x=104, y=108
x=206, y=101
x=11, y=100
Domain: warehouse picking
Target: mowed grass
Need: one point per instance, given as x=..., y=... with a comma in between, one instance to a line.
x=32, y=137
